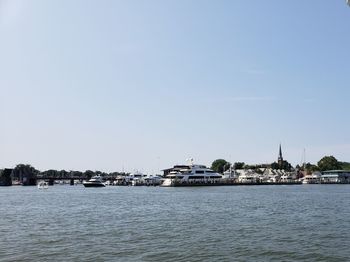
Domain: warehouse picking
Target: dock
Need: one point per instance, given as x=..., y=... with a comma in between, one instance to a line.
x=177, y=183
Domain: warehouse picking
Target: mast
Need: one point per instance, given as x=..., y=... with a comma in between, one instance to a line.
x=303, y=159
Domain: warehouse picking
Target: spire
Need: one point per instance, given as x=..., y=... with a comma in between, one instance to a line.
x=280, y=153
x=280, y=158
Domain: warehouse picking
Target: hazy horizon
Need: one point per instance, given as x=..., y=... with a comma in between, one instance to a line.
x=144, y=85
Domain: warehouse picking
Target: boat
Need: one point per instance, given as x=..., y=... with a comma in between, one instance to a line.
x=95, y=181
x=314, y=178
x=43, y=185
x=194, y=174
x=152, y=180
x=230, y=173
x=135, y=179
x=139, y=179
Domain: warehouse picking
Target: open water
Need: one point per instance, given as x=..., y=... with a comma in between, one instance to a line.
x=237, y=223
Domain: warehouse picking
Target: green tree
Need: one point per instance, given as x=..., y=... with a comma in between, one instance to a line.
x=275, y=165
x=329, y=163
x=310, y=168
x=5, y=177
x=63, y=174
x=252, y=167
x=26, y=174
x=50, y=173
x=220, y=165
x=88, y=174
x=285, y=166
x=345, y=165
x=76, y=174
x=238, y=165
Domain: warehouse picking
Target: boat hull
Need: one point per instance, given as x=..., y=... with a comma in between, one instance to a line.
x=93, y=185
x=167, y=182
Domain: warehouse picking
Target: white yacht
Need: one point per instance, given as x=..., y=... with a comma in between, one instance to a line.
x=135, y=179
x=140, y=179
x=152, y=180
x=95, y=181
x=192, y=174
x=314, y=178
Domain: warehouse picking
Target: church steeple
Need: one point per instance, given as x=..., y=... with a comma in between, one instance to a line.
x=280, y=158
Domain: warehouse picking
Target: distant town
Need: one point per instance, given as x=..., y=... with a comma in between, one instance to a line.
x=328, y=170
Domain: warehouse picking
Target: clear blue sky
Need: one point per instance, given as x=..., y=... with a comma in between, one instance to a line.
x=144, y=85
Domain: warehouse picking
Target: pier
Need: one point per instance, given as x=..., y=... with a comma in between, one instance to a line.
x=223, y=182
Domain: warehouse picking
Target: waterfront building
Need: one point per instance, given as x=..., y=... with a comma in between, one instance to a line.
x=248, y=176
x=288, y=177
x=272, y=175
x=336, y=176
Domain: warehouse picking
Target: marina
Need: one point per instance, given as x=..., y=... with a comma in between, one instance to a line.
x=194, y=175
x=221, y=173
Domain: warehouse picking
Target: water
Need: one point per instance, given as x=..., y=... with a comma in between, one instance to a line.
x=240, y=223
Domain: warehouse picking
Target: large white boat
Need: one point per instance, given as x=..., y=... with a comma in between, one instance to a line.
x=95, y=181
x=314, y=178
x=192, y=174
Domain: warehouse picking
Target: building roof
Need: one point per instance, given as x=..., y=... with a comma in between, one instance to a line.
x=335, y=171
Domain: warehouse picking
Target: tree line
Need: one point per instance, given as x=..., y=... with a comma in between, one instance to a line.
x=326, y=163
x=29, y=171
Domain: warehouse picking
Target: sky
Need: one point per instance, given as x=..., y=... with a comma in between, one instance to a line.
x=146, y=84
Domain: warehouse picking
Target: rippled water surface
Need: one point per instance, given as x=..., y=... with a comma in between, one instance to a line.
x=240, y=223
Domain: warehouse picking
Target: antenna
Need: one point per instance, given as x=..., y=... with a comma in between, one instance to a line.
x=190, y=160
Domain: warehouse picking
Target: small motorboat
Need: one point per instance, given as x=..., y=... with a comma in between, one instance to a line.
x=95, y=181
x=43, y=185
